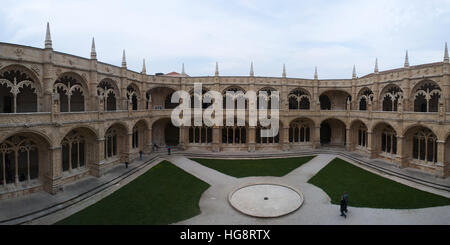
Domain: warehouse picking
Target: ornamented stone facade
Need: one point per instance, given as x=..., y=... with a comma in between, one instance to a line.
x=64, y=117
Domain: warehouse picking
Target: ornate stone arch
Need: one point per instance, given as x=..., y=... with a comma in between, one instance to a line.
x=20, y=90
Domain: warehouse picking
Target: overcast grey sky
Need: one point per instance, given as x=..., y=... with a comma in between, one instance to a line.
x=332, y=35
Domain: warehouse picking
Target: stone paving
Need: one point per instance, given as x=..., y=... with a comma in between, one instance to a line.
x=316, y=209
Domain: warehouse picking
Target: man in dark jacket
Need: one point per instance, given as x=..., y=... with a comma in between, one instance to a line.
x=343, y=207
x=344, y=203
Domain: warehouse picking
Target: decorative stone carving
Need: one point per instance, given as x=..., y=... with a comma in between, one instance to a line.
x=19, y=52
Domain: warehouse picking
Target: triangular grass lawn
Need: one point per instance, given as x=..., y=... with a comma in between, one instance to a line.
x=254, y=167
x=366, y=189
x=164, y=194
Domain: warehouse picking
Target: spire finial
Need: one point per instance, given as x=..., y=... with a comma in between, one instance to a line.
x=284, y=70
x=144, y=70
x=316, y=76
x=124, y=60
x=182, y=70
x=446, y=58
x=48, y=38
x=217, y=69
x=376, y=65
x=406, y=59
x=93, y=52
x=251, y=70
x=354, y=72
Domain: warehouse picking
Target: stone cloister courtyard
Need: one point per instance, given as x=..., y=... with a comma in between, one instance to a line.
x=198, y=188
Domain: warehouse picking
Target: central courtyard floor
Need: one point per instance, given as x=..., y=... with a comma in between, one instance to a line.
x=316, y=209
x=309, y=175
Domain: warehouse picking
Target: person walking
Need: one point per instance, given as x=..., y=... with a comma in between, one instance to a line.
x=343, y=207
x=126, y=164
x=168, y=150
x=140, y=155
x=344, y=204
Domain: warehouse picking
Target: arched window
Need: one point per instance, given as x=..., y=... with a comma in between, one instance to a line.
x=234, y=135
x=110, y=143
x=426, y=97
x=106, y=90
x=299, y=132
x=299, y=99
x=266, y=140
x=270, y=92
x=425, y=146
x=132, y=96
x=325, y=103
x=200, y=135
x=18, y=92
x=19, y=160
x=168, y=102
x=389, y=140
x=238, y=98
x=199, y=98
x=391, y=97
x=362, y=136
x=73, y=151
x=71, y=94
x=364, y=98
x=135, y=138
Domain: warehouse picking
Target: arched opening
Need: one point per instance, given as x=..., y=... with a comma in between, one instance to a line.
x=115, y=141
x=300, y=131
x=332, y=132
x=390, y=97
x=71, y=93
x=139, y=137
x=334, y=100
x=133, y=96
x=359, y=135
x=160, y=98
x=109, y=93
x=385, y=140
x=199, y=98
x=426, y=97
x=275, y=139
x=325, y=103
x=200, y=135
x=421, y=145
x=164, y=133
x=78, y=149
x=364, y=96
x=18, y=91
x=24, y=159
x=299, y=99
x=238, y=98
x=266, y=95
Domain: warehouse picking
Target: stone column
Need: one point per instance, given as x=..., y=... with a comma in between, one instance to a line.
x=182, y=139
x=52, y=182
x=371, y=145
x=349, y=140
x=440, y=170
x=149, y=143
x=401, y=152
x=251, y=138
x=216, y=139
x=284, y=138
x=99, y=159
x=316, y=137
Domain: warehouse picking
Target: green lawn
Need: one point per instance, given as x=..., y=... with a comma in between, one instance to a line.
x=165, y=194
x=259, y=167
x=366, y=189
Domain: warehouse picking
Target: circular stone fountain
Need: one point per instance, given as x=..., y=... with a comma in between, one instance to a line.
x=266, y=200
